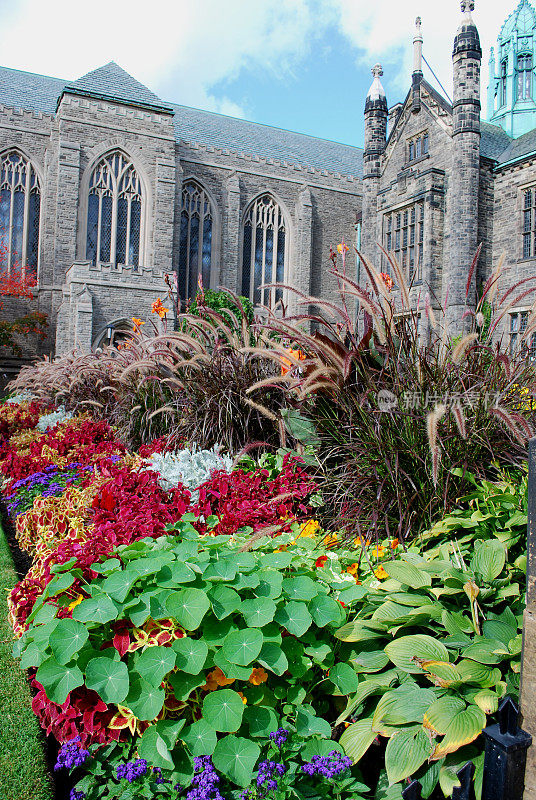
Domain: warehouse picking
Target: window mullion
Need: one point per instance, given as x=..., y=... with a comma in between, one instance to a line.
x=113, y=228
x=127, y=234
x=25, y=220
x=99, y=227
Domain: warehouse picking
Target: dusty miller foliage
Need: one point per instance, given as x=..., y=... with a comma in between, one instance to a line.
x=191, y=468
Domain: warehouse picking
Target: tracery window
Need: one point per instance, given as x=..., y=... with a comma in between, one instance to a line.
x=114, y=213
x=195, y=249
x=529, y=223
x=20, y=202
x=404, y=236
x=524, y=77
x=503, y=82
x=264, y=251
x=418, y=147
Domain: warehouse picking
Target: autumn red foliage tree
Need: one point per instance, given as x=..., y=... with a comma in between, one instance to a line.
x=18, y=283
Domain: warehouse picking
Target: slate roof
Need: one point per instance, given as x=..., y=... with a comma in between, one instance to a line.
x=523, y=146
x=493, y=141
x=41, y=94
x=111, y=82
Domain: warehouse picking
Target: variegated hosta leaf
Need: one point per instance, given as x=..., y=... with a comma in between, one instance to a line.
x=357, y=739
x=487, y=700
x=406, y=751
x=463, y=729
x=481, y=675
x=441, y=713
x=401, y=706
x=489, y=559
x=441, y=673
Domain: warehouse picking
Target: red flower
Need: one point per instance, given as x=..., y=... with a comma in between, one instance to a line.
x=320, y=561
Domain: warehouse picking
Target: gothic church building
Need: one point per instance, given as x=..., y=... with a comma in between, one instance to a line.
x=105, y=189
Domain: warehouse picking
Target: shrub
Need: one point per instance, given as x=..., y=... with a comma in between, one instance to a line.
x=225, y=304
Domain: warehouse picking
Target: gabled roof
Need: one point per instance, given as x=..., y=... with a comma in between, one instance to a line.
x=111, y=82
x=519, y=148
x=39, y=93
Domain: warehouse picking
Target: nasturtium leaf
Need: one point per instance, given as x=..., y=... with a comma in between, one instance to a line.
x=32, y=656
x=173, y=575
x=158, y=603
x=489, y=559
x=243, y=646
x=273, y=658
x=408, y=574
x=233, y=671
x=214, y=631
x=58, y=680
x=222, y=569
x=223, y=710
x=307, y=723
x=140, y=610
x=295, y=617
x=321, y=653
x=245, y=562
x=270, y=583
x=406, y=652
x=200, y=738
x=68, y=637
x=275, y=560
x=464, y=728
x=191, y=654
x=153, y=748
x=300, y=588
x=224, y=600
x=96, y=609
x=319, y=747
x=119, y=584
x=357, y=739
x=441, y=713
x=344, y=678
x=148, y=565
x=47, y=613
x=183, y=684
x=406, y=751
x=188, y=607
x=258, y=612
x=236, y=757
x=144, y=699
x=248, y=580
x=262, y=720
x=326, y=611
x=155, y=663
x=353, y=593
x=108, y=678
x=60, y=583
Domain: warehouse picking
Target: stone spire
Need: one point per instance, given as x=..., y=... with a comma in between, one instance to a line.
x=376, y=93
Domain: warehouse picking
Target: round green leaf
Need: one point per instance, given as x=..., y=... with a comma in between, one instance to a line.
x=406, y=751
x=258, y=612
x=108, y=678
x=184, y=684
x=270, y=583
x=236, y=757
x=188, y=607
x=155, y=663
x=58, y=680
x=96, y=609
x=261, y=720
x=223, y=569
x=154, y=748
x=308, y=723
x=144, y=699
x=231, y=670
x=224, y=601
x=344, y=678
x=242, y=647
x=406, y=651
x=200, y=738
x=273, y=658
x=300, y=588
x=294, y=617
x=67, y=638
x=326, y=611
x=191, y=654
x=223, y=710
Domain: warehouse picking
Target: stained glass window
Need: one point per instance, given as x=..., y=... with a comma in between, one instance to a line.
x=114, y=213
x=20, y=204
x=195, y=244
x=263, y=254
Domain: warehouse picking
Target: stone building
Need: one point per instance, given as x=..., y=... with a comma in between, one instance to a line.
x=105, y=189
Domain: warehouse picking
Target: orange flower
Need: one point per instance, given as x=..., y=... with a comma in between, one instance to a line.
x=137, y=322
x=287, y=364
x=378, y=551
x=342, y=248
x=353, y=569
x=216, y=678
x=387, y=280
x=258, y=676
x=309, y=529
x=320, y=561
x=158, y=308
x=244, y=700
x=394, y=544
x=75, y=602
x=331, y=540
x=381, y=573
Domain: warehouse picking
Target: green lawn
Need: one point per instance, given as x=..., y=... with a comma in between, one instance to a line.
x=23, y=773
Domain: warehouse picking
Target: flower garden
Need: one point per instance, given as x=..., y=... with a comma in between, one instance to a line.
x=245, y=579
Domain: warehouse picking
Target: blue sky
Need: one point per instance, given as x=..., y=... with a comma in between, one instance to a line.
x=298, y=64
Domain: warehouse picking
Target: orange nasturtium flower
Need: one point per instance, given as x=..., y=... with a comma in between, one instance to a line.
x=75, y=602
x=216, y=678
x=353, y=569
x=244, y=699
x=394, y=544
x=258, y=676
x=380, y=573
x=320, y=561
x=309, y=529
x=158, y=308
x=378, y=551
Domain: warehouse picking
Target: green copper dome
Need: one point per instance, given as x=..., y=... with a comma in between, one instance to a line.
x=512, y=81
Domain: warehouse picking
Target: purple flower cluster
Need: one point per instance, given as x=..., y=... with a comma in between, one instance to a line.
x=76, y=795
x=268, y=776
x=279, y=737
x=157, y=773
x=327, y=766
x=205, y=781
x=132, y=770
x=71, y=755
x=51, y=481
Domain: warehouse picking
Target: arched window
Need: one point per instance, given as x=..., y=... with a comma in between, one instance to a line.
x=503, y=82
x=264, y=248
x=524, y=77
x=114, y=213
x=20, y=202
x=195, y=249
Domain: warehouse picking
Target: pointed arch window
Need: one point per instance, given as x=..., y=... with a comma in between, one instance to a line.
x=196, y=234
x=114, y=214
x=503, y=82
x=264, y=250
x=20, y=204
x=524, y=77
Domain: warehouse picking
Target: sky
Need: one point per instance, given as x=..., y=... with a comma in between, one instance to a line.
x=303, y=65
